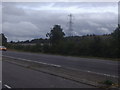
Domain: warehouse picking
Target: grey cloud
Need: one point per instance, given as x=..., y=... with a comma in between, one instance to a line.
x=12, y=10
x=12, y=14
x=0, y=17
x=85, y=4
x=28, y=23
x=89, y=24
x=22, y=29
x=68, y=4
x=34, y=4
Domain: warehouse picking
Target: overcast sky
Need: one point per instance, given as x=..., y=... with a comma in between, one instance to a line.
x=26, y=21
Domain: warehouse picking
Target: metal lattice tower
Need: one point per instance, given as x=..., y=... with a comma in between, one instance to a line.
x=70, y=29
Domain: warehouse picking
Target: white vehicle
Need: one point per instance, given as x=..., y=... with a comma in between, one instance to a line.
x=3, y=48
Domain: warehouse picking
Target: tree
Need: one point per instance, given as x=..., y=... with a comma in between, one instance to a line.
x=4, y=39
x=96, y=46
x=116, y=36
x=116, y=33
x=56, y=34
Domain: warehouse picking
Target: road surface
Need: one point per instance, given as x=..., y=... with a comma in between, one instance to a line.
x=93, y=65
x=0, y=70
x=0, y=73
x=15, y=76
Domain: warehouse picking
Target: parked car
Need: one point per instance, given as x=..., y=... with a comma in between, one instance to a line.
x=3, y=48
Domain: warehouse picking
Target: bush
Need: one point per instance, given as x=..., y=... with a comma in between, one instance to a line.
x=108, y=82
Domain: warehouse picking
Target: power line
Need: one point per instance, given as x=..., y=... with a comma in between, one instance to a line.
x=70, y=25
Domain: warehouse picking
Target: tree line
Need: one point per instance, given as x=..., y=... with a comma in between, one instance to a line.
x=107, y=46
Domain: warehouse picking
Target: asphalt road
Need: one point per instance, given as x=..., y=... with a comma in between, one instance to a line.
x=0, y=72
x=92, y=65
x=15, y=76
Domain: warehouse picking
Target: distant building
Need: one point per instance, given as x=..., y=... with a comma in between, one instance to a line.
x=27, y=44
x=30, y=44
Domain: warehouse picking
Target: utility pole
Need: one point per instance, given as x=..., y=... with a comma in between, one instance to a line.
x=70, y=25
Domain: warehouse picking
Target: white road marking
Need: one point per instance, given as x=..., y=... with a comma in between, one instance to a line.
x=103, y=74
x=97, y=73
x=0, y=81
x=7, y=86
x=61, y=66
x=33, y=61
